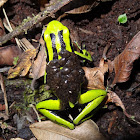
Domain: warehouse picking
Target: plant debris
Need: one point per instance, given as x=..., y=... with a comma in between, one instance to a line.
x=123, y=63
x=95, y=29
x=23, y=65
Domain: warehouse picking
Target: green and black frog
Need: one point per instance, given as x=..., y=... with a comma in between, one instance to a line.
x=65, y=77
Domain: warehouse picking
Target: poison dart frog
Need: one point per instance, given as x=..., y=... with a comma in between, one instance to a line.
x=65, y=77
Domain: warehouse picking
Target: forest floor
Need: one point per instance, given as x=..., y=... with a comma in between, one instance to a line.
x=96, y=29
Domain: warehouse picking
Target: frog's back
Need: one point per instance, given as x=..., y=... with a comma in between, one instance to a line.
x=64, y=77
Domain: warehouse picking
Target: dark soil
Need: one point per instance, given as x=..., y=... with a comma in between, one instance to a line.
x=99, y=29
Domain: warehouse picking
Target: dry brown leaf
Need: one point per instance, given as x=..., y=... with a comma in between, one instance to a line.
x=7, y=54
x=95, y=76
x=48, y=130
x=2, y=2
x=39, y=66
x=114, y=98
x=23, y=65
x=123, y=63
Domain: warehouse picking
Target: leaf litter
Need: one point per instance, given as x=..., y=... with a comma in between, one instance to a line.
x=122, y=64
x=118, y=80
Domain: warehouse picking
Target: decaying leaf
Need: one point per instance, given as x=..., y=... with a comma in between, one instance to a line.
x=7, y=54
x=78, y=7
x=23, y=65
x=95, y=76
x=48, y=130
x=123, y=63
x=73, y=7
x=114, y=98
x=39, y=66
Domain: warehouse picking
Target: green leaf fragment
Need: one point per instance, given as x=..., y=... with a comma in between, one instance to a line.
x=15, y=60
x=122, y=18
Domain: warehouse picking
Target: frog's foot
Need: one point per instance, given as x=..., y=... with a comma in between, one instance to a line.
x=45, y=108
x=93, y=98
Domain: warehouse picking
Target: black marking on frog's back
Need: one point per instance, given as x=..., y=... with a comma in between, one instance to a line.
x=63, y=45
x=53, y=38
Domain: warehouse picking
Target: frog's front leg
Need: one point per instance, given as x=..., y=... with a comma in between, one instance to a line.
x=46, y=107
x=83, y=52
x=93, y=98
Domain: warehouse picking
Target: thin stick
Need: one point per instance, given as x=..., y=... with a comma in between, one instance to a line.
x=29, y=23
x=10, y=29
x=32, y=106
x=4, y=91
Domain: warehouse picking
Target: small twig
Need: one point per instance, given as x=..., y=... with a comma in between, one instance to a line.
x=86, y=31
x=32, y=106
x=12, y=104
x=29, y=23
x=26, y=43
x=105, y=51
x=10, y=29
x=4, y=91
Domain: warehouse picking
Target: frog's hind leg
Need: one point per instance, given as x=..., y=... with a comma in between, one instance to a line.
x=47, y=107
x=93, y=98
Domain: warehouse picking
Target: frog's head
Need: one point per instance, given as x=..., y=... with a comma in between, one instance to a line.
x=57, y=38
x=54, y=27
